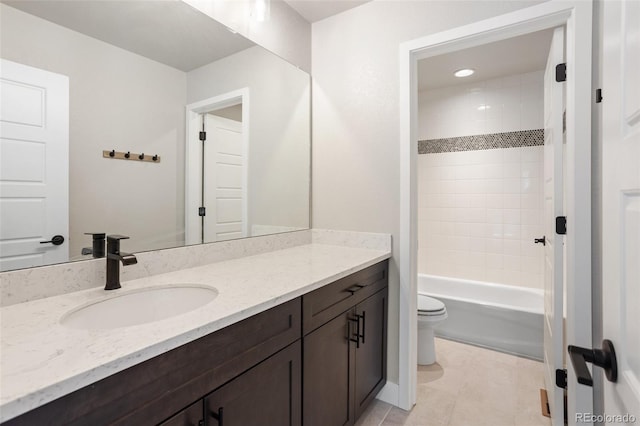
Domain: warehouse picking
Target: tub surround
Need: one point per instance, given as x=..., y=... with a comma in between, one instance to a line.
x=42, y=360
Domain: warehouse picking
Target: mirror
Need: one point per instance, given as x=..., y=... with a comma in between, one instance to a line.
x=142, y=79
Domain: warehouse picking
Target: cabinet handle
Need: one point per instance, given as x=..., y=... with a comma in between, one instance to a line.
x=364, y=326
x=218, y=416
x=356, y=340
x=354, y=288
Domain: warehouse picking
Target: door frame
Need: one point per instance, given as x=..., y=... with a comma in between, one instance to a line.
x=577, y=16
x=193, y=157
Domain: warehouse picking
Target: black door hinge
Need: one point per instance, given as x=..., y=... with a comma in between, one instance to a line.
x=202, y=211
x=598, y=96
x=203, y=136
x=561, y=73
x=561, y=225
x=561, y=378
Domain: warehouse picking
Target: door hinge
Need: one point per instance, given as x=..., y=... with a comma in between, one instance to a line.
x=203, y=136
x=561, y=73
x=561, y=225
x=561, y=378
x=598, y=96
x=202, y=211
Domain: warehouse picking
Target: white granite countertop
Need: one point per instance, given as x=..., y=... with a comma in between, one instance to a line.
x=42, y=360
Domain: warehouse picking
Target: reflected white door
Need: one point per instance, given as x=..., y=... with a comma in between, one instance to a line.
x=553, y=207
x=34, y=166
x=621, y=202
x=224, y=180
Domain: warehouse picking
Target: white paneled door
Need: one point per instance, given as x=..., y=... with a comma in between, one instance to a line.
x=553, y=207
x=621, y=205
x=224, y=180
x=34, y=166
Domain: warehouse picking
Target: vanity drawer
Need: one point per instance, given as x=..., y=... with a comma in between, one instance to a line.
x=154, y=390
x=324, y=304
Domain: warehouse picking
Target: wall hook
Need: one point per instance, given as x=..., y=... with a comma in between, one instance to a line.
x=119, y=155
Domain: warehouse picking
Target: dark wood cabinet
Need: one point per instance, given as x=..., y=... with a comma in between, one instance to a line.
x=328, y=374
x=344, y=358
x=193, y=415
x=371, y=356
x=268, y=394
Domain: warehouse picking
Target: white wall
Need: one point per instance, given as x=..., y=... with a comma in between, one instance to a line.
x=279, y=123
x=356, y=149
x=285, y=33
x=118, y=100
x=504, y=104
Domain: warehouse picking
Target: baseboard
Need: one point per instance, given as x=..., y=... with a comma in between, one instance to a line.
x=389, y=393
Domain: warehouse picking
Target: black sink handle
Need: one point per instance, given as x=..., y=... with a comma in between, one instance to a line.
x=605, y=358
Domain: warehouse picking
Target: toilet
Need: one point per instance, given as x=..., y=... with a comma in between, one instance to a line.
x=430, y=313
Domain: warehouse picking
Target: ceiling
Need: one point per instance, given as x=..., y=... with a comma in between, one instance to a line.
x=170, y=32
x=516, y=55
x=316, y=10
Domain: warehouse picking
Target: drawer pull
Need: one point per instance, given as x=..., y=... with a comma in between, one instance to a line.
x=218, y=416
x=364, y=326
x=355, y=338
x=355, y=288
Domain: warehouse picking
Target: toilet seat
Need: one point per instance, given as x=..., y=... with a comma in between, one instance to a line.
x=428, y=306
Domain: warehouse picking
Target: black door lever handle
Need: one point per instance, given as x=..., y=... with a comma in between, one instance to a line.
x=56, y=240
x=605, y=358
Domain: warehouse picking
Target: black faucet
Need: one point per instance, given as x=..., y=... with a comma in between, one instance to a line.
x=114, y=257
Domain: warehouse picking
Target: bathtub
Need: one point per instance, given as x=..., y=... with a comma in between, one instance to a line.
x=497, y=316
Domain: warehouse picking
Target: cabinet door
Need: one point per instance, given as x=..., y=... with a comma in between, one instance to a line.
x=371, y=355
x=267, y=394
x=190, y=416
x=328, y=373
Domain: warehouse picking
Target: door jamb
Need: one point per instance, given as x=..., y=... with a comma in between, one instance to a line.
x=577, y=16
x=193, y=163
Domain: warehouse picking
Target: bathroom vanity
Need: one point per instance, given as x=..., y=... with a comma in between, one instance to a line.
x=295, y=336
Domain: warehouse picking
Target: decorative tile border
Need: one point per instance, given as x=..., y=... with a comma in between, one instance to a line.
x=481, y=142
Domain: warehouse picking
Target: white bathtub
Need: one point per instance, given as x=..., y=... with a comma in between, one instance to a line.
x=497, y=316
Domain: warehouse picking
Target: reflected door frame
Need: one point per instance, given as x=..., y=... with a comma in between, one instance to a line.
x=193, y=159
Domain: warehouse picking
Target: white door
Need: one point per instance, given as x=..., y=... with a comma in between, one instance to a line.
x=34, y=166
x=553, y=207
x=621, y=203
x=224, y=180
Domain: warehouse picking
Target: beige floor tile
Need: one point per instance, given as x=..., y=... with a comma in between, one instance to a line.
x=433, y=408
x=374, y=414
x=475, y=386
x=435, y=377
x=468, y=412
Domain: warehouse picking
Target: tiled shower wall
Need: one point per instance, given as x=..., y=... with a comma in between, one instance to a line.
x=479, y=210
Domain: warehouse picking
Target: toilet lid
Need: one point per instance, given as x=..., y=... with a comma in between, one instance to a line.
x=429, y=304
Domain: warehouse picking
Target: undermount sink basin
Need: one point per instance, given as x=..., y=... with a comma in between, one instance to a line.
x=139, y=307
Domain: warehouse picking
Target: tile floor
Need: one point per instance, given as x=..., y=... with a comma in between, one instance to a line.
x=469, y=386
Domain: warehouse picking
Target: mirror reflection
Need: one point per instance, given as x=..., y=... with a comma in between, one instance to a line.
x=147, y=119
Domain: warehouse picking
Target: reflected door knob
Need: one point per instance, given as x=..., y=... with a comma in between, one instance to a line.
x=56, y=240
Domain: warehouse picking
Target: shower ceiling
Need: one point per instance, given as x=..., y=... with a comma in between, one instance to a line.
x=516, y=55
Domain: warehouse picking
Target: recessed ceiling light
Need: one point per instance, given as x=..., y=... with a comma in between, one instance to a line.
x=465, y=72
